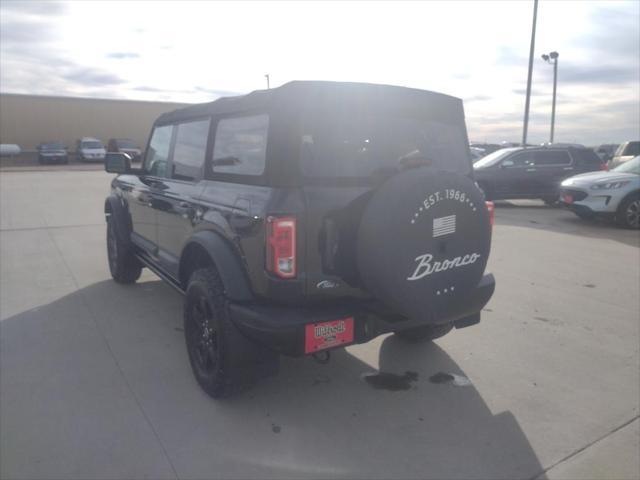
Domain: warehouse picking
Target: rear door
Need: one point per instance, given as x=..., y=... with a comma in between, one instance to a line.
x=515, y=175
x=139, y=197
x=551, y=167
x=174, y=195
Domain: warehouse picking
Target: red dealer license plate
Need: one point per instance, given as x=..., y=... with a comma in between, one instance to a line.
x=319, y=336
x=567, y=198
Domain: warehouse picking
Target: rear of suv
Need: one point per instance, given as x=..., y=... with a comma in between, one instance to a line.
x=305, y=218
x=625, y=152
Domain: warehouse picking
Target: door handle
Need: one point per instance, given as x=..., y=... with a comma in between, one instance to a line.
x=531, y=169
x=568, y=168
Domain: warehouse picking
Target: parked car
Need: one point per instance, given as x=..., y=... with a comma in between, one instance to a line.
x=614, y=194
x=125, y=145
x=90, y=149
x=476, y=154
x=487, y=147
x=9, y=150
x=305, y=227
x=52, y=152
x=606, y=151
x=625, y=152
x=532, y=172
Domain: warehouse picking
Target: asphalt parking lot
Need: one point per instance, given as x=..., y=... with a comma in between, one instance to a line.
x=95, y=381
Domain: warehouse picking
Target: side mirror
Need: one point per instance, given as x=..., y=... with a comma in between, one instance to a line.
x=117, y=163
x=507, y=163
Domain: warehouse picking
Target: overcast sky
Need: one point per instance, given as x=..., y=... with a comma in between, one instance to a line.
x=478, y=51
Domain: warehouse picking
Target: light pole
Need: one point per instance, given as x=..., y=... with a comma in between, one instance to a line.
x=552, y=59
x=267, y=77
x=531, y=48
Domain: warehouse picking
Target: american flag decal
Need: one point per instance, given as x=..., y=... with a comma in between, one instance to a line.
x=444, y=226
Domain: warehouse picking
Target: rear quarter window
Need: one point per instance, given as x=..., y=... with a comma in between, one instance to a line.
x=586, y=158
x=632, y=149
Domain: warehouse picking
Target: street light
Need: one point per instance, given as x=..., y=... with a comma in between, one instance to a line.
x=552, y=59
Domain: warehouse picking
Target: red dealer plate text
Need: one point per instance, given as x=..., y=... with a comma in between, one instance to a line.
x=319, y=336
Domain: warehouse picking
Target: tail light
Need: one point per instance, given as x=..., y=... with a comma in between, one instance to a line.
x=281, y=246
x=491, y=209
x=604, y=166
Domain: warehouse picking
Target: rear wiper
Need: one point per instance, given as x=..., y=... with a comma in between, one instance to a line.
x=413, y=160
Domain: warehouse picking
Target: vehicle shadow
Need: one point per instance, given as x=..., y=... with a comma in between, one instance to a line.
x=83, y=376
x=558, y=219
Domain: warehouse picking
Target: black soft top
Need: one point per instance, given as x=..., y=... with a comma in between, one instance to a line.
x=297, y=95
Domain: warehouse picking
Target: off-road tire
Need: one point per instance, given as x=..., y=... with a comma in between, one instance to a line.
x=209, y=334
x=425, y=333
x=125, y=268
x=628, y=211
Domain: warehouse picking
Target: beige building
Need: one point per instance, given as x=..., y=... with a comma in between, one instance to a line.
x=28, y=120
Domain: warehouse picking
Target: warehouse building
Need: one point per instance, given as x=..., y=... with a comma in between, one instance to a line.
x=28, y=120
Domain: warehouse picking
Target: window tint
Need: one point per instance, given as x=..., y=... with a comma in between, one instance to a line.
x=365, y=145
x=522, y=159
x=633, y=149
x=158, y=154
x=240, y=145
x=586, y=158
x=190, y=149
x=552, y=157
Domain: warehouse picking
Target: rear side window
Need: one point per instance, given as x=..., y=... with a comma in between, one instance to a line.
x=586, y=158
x=190, y=150
x=158, y=153
x=523, y=159
x=240, y=145
x=552, y=158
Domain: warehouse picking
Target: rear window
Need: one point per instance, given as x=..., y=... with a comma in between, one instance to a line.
x=91, y=144
x=364, y=146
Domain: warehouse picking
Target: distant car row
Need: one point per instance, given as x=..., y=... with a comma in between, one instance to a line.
x=611, y=154
x=88, y=149
x=573, y=175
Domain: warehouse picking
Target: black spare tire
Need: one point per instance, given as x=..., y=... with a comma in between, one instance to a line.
x=423, y=242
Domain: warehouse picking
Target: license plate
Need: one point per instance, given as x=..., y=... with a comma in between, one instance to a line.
x=319, y=336
x=567, y=199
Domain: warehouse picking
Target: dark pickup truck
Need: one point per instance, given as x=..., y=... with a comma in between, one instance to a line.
x=304, y=218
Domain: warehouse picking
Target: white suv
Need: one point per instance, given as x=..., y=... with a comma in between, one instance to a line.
x=615, y=194
x=90, y=149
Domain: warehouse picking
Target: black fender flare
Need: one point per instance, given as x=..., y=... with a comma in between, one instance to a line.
x=117, y=210
x=230, y=268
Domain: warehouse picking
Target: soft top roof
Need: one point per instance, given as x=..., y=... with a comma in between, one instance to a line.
x=299, y=94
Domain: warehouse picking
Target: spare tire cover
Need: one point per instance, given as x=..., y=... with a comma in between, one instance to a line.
x=423, y=242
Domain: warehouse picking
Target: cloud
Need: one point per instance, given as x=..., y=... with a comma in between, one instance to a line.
x=477, y=98
x=91, y=77
x=534, y=92
x=594, y=74
x=123, y=55
x=33, y=7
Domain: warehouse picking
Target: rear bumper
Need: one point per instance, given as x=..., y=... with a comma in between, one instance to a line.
x=282, y=328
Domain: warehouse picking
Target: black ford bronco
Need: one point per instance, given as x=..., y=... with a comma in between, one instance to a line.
x=305, y=218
